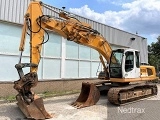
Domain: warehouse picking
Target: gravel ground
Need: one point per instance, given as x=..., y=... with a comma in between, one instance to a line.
x=103, y=110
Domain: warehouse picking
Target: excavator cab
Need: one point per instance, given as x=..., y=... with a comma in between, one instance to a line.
x=124, y=63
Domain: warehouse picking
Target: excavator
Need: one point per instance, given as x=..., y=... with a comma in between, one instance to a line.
x=124, y=79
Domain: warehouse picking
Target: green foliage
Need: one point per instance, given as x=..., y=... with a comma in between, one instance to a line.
x=10, y=98
x=154, y=54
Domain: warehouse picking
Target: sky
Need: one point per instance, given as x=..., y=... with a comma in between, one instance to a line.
x=134, y=16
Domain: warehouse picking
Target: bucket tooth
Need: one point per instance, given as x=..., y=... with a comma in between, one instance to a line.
x=89, y=96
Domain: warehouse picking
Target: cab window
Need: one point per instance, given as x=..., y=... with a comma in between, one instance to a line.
x=137, y=59
x=129, y=62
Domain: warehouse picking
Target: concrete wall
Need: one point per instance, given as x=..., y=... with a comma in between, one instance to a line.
x=6, y=88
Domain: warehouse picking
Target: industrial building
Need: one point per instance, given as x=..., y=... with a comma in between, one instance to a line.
x=64, y=64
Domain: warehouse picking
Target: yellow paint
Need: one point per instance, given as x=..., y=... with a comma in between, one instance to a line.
x=71, y=29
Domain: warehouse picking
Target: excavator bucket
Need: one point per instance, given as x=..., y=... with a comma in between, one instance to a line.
x=34, y=110
x=89, y=96
x=30, y=104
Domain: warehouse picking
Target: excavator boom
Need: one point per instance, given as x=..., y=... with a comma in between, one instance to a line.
x=70, y=28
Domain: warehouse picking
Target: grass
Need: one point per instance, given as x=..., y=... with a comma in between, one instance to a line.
x=10, y=98
x=44, y=95
x=47, y=94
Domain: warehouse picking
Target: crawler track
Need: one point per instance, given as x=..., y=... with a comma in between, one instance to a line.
x=131, y=93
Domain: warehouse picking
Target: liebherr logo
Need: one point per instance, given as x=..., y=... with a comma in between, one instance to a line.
x=124, y=110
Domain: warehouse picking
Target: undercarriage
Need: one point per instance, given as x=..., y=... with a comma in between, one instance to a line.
x=117, y=93
x=130, y=93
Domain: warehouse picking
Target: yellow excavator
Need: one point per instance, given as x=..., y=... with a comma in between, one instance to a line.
x=124, y=64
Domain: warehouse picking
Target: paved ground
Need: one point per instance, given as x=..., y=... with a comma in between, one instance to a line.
x=103, y=110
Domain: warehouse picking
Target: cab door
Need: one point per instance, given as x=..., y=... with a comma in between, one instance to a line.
x=137, y=64
x=131, y=65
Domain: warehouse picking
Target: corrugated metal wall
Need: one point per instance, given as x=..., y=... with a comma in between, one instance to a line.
x=13, y=11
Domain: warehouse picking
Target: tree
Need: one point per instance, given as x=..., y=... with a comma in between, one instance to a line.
x=154, y=54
